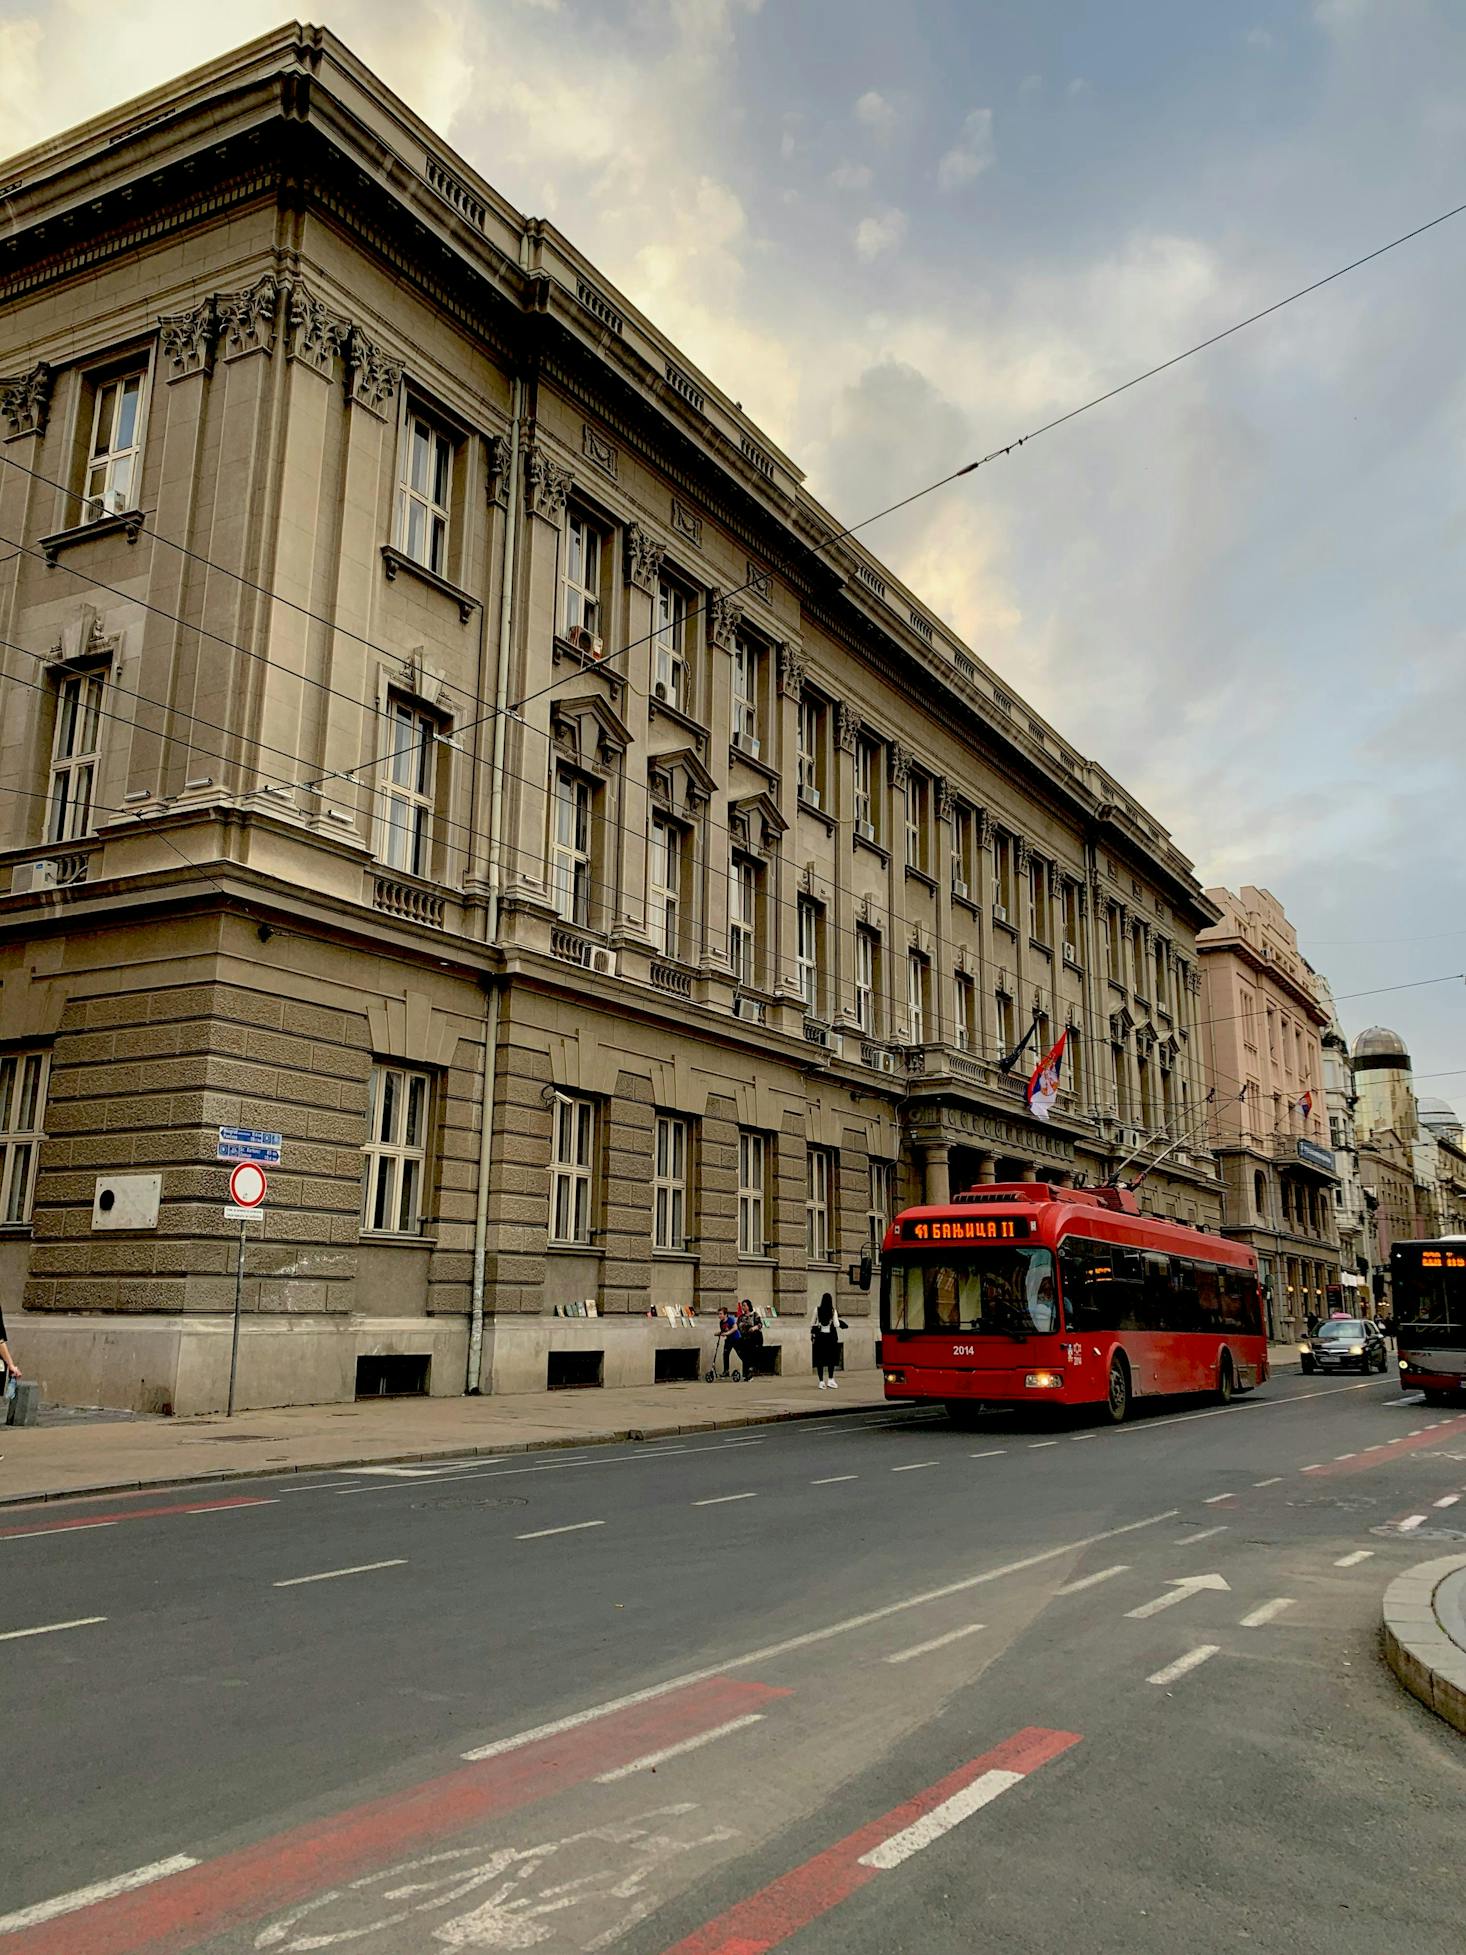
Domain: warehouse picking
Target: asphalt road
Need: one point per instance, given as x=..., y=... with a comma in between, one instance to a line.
x=870, y=1684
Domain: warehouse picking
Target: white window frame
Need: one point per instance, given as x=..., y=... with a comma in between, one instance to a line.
x=807, y=954
x=963, y=869
x=24, y=1078
x=865, y=979
x=746, y=661
x=664, y=882
x=572, y=1170
x=395, y=1155
x=867, y=773
x=1005, y=1021
x=917, y=970
x=1040, y=920
x=671, y=1150
x=753, y=1157
x=964, y=1011
x=76, y=754
x=916, y=823
x=881, y=1204
x=425, y=506
x=584, y=551
x=669, y=647
x=409, y=789
x=743, y=920
x=821, y=1179
x=811, y=725
x=113, y=477
x=572, y=814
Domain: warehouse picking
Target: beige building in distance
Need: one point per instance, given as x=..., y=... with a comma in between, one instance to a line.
x=1263, y=1019
x=443, y=732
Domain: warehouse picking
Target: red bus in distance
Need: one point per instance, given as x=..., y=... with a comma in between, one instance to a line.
x=1025, y=1294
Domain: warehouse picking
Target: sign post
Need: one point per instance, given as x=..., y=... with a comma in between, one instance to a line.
x=247, y=1188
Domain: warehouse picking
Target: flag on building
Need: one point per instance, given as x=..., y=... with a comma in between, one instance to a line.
x=1043, y=1087
x=1305, y=1105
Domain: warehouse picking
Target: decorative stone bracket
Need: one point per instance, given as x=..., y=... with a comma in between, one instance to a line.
x=25, y=401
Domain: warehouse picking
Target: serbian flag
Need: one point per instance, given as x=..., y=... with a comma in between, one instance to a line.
x=1043, y=1088
x=1305, y=1105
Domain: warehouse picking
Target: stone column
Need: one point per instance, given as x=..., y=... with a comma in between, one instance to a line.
x=936, y=1171
x=626, y=1212
x=716, y=1209
x=987, y=1168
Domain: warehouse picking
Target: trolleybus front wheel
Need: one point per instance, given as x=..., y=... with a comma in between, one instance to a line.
x=1118, y=1402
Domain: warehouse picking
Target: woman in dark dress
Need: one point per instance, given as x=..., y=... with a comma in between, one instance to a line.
x=825, y=1335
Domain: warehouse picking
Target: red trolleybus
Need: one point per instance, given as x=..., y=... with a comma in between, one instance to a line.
x=1428, y=1292
x=1025, y=1294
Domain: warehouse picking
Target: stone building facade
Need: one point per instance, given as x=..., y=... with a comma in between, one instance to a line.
x=442, y=730
x=1264, y=1020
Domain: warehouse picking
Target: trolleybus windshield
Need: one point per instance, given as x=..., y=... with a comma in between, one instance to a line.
x=1005, y=1292
x=1430, y=1289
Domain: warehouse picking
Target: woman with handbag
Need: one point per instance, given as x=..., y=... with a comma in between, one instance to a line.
x=824, y=1334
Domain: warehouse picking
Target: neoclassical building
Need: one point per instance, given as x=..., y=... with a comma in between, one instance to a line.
x=443, y=731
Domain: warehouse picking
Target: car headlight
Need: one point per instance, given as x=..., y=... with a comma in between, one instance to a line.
x=1356, y=1350
x=1044, y=1381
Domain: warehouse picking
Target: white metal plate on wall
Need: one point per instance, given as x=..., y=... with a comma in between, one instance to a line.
x=126, y=1201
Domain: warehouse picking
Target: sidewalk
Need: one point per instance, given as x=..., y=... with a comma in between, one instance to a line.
x=49, y=1462
x=1425, y=1635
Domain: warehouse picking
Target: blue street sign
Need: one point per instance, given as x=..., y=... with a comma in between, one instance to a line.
x=237, y=1150
x=251, y=1137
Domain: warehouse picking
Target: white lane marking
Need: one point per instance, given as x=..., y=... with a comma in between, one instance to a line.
x=738, y=1442
x=1353, y=1560
x=834, y=1480
x=1180, y=1590
x=1075, y=1438
x=546, y=1466
x=936, y=1643
x=100, y=1890
x=1093, y=1581
x=1411, y=1521
x=232, y=1506
x=1339, y=1456
x=996, y=1453
x=1275, y=1481
x=1448, y=1500
x=941, y=1819
x=316, y=1486
x=1266, y=1611
x=1192, y=1660
x=76, y=1527
x=49, y=1628
x=916, y=1466
x=1317, y=1467
x=652, y=1759
x=1377, y=1447
x=1237, y=1407
x=570, y=1527
x=1201, y=1534
x=1215, y=1499
x=770, y=1651
x=722, y=1499
x=333, y=1574
x=1037, y=1446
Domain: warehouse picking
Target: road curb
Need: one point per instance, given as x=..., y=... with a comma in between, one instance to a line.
x=1428, y=1661
x=281, y=1470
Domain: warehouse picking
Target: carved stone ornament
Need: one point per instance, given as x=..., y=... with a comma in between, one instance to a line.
x=1100, y=894
x=316, y=335
x=725, y=616
x=945, y=804
x=372, y=378
x=496, y=485
x=643, y=559
x=847, y=728
x=1022, y=855
x=791, y=672
x=898, y=764
x=982, y=828
x=186, y=339
x=247, y=319
x=760, y=582
x=598, y=450
x=687, y=522
x=25, y=401
x=1056, y=881
x=546, y=485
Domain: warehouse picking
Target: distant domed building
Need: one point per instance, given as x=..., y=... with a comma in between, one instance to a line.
x=1440, y=1119
x=1383, y=1081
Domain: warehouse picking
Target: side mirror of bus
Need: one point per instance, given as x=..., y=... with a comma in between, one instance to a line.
x=860, y=1273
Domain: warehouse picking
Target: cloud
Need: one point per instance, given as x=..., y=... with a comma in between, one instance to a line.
x=1079, y=86
x=971, y=154
x=874, y=112
x=1258, y=37
x=879, y=233
x=1030, y=85
x=852, y=176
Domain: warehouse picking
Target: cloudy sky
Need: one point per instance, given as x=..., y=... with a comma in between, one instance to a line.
x=902, y=236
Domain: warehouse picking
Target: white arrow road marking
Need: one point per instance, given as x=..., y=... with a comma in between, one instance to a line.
x=1182, y=1587
x=1189, y=1661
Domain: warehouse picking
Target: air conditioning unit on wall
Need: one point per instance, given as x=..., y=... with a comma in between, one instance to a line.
x=585, y=641
x=601, y=961
x=29, y=878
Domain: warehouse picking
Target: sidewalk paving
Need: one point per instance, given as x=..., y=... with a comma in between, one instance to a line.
x=49, y=1462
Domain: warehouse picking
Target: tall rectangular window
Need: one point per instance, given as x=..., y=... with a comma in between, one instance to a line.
x=22, y=1110
x=1071, y=919
x=572, y=1159
x=75, y=752
x=818, y=1191
x=664, y=875
x=570, y=862
x=582, y=577
x=670, y=646
x=752, y=1183
x=1005, y=1022
x=396, y=1151
x=669, y=1184
x=917, y=804
x=807, y=956
x=1003, y=875
x=424, y=492
x=407, y=789
x=964, y=1012
x=867, y=798
x=865, y=979
x=811, y=751
x=964, y=881
x=882, y=1204
x=1115, y=941
x=114, y=458
x=917, y=971
x=1161, y=994
x=743, y=920
x=1038, y=901
x=746, y=663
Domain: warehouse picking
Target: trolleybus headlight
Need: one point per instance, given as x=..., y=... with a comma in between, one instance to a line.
x=1044, y=1381
x=895, y=1377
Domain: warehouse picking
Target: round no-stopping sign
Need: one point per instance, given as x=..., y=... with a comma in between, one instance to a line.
x=247, y=1185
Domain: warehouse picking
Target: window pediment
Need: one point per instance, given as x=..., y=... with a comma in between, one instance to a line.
x=589, y=731
x=757, y=817
x=680, y=781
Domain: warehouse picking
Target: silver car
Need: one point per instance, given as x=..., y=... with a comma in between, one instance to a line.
x=1345, y=1344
